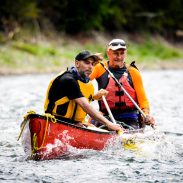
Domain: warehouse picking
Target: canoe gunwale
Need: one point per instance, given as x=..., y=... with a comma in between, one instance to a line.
x=32, y=116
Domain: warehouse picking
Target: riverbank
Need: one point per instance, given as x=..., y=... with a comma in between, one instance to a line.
x=46, y=54
x=176, y=65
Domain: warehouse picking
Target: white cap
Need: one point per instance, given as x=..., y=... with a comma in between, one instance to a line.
x=116, y=44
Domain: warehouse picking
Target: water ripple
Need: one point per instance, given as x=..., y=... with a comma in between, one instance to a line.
x=158, y=158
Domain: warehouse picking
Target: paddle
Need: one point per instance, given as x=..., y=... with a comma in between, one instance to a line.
x=173, y=133
x=108, y=109
x=131, y=99
x=110, y=113
x=112, y=117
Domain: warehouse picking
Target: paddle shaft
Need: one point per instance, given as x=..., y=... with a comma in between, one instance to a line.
x=108, y=109
x=122, y=88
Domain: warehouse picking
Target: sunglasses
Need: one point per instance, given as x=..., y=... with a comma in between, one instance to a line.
x=117, y=43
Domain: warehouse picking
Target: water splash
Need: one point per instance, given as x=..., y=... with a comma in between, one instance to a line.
x=149, y=145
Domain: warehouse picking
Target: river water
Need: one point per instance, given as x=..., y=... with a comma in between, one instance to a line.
x=158, y=161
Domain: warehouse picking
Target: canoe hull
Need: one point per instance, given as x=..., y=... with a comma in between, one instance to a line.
x=51, y=139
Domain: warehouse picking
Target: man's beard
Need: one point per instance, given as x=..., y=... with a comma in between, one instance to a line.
x=84, y=77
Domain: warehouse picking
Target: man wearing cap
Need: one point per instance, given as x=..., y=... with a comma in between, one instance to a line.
x=122, y=108
x=69, y=94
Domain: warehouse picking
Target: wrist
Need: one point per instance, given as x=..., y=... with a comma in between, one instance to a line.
x=146, y=111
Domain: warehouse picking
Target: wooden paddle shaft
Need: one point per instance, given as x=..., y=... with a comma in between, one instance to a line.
x=108, y=109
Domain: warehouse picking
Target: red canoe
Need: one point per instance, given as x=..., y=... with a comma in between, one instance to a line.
x=50, y=139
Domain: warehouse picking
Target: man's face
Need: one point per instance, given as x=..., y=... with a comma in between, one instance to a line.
x=85, y=66
x=116, y=57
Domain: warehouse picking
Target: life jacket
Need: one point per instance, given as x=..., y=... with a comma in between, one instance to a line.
x=66, y=108
x=117, y=99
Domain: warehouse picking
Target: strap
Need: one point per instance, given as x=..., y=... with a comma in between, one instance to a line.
x=133, y=65
x=120, y=104
x=119, y=93
x=74, y=113
x=50, y=107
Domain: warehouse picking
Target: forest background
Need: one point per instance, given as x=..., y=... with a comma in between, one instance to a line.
x=45, y=35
